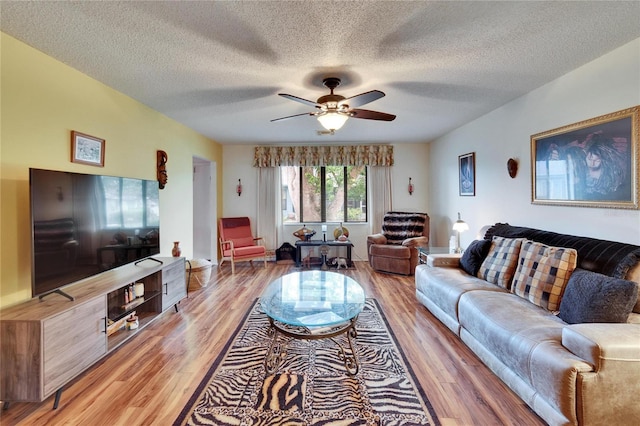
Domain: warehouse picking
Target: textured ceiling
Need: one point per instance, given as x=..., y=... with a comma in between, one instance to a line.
x=217, y=67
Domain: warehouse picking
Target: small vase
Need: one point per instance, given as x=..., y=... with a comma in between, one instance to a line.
x=341, y=232
x=176, y=251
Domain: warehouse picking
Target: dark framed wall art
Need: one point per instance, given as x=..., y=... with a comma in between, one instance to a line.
x=467, y=174
x=593, y=163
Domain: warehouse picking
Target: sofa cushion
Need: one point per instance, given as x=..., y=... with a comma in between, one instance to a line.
x=593, y=297
x=244, y=252
x=500, y=264
x=542, y=273
x=474, y=255
x=444, y=286
x=526, y=339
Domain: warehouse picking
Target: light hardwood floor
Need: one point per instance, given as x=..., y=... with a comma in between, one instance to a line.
x=149, y=379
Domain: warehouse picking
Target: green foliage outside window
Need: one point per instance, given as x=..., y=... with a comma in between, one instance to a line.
x=324, y=194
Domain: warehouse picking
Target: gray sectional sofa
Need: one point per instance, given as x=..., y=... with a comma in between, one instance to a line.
x=570, y=371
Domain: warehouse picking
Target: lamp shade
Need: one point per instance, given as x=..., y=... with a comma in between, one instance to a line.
x=460, y=225
x=332, y=120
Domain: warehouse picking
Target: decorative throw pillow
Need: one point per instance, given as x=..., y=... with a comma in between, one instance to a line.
x=474, y=255
x=500, y=264
x=543, y=272
x=593, y=297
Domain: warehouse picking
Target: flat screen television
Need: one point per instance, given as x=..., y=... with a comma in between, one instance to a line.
x=82, y=225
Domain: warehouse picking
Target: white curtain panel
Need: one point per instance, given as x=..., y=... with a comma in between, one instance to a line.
x=269, y=187
x=381, y=197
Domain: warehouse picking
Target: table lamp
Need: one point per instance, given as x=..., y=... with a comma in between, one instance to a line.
x=459, y=226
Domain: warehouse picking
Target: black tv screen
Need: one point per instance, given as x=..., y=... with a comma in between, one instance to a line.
x=84, y=224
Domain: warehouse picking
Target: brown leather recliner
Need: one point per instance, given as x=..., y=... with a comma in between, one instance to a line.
x=395, y=250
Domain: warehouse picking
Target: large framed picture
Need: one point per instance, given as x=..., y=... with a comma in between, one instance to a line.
x=87, y=149
x=593, y=163
x=467, y=174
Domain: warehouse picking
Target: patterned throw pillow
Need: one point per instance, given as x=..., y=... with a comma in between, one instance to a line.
x=543, y=273
x=500, y=264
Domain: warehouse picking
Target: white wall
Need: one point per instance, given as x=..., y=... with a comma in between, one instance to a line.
x=608, y=84
x=237, y=163
x=410, y=161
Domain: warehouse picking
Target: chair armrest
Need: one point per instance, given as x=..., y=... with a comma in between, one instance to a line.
x=599, y=343
x=256, y=239
x=416, y=242
x=376, y=239
x=226, y=243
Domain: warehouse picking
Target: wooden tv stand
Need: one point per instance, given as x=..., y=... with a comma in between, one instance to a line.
x=47, y=343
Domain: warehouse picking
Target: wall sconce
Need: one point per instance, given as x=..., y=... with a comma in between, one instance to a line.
x=239, y=188
x=459, y=226
x=410, y=187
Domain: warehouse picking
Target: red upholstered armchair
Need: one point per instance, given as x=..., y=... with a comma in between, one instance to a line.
x=237, y=243
x=396, y=248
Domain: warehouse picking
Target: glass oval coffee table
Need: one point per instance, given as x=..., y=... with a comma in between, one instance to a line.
x=312, y=305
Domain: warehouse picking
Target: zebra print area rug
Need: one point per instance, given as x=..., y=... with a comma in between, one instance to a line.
x=311, y=387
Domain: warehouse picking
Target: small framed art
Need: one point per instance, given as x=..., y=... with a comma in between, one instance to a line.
x=87, y=149
x=467, y=174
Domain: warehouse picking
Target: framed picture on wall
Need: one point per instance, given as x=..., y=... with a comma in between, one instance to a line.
x=593, y=163
x=87, y=149
x=467, y=174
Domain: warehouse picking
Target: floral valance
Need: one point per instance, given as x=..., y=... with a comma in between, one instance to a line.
x=336, y=155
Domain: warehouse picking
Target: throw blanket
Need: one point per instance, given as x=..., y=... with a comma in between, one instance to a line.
x=606, y=257
x=398, y=226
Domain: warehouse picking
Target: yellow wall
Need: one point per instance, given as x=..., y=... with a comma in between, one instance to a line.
x=42, y=100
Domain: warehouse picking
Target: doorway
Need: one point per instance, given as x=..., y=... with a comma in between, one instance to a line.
x=205, y=231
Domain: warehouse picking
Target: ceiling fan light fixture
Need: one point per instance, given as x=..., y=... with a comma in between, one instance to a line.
x=332, y=120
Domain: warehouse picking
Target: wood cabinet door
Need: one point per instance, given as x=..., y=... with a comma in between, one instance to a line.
x=73, y=341
x=20, y=361
x=174, y=286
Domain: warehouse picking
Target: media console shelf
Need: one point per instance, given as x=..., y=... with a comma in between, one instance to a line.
x=46, y=344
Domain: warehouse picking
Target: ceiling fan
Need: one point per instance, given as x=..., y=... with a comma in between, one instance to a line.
x=334, y=110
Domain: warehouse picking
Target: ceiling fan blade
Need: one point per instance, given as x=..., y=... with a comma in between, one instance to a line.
x=362, y=98
x=371, y=115
x=292, y=116
x=301, y=100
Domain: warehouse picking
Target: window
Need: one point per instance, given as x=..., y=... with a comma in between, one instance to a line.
x=324, y=194
x=129, y=202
